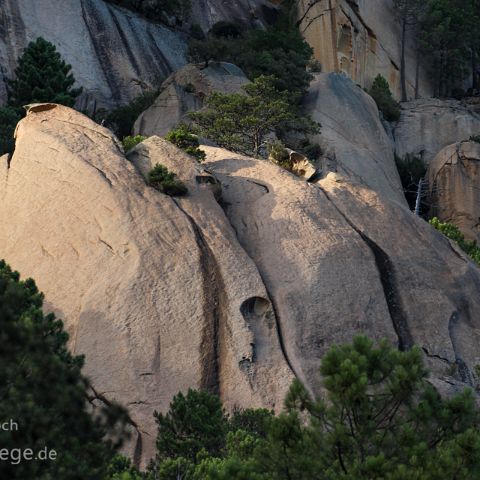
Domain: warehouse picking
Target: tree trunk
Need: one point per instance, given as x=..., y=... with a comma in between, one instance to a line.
x=417, y=76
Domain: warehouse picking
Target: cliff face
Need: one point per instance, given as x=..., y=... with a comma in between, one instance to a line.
x=360, y=38
x=113, y=52
x=162, y=294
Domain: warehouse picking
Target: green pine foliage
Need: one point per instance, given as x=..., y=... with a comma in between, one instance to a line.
x=241, y=122
x=42, y=389
x=131, y=142
x=278, y=51
x=166, y=182
x=383, y=97
x=42, y=76
x=411, y=169
x=378, y=418
x=183, y=138
x=453, y=233
x=8, y=121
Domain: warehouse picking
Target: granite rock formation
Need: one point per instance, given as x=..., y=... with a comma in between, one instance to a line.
x=426, y=126
x=162, y=293
x=185, y=91
x=360, y=38
x=352, y=137
x=454, y=185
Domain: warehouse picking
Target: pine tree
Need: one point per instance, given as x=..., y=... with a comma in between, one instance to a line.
x=42, y=76
x=44, y=393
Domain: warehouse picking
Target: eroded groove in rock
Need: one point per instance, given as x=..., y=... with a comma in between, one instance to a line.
x=387, y=277
x=212, y=307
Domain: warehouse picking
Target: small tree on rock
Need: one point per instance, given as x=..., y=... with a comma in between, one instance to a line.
x=242, y=122
x=383, y=97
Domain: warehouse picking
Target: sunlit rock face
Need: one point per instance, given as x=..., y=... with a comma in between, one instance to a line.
x=362, y=39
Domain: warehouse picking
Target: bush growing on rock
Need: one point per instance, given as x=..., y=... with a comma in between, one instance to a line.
x=474, y=138
x=453, y=233
x=164, y=181
x=278, y=154
x=383, y=97
x=411, y=170
x=242, y=122
x=183, y=138
x=131, y=142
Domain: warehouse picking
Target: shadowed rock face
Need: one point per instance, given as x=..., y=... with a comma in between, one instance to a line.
x=162, y=293
x=453, y=179
x=352, y=136
x=426, y=126
x=185, y=91
x=114, y=53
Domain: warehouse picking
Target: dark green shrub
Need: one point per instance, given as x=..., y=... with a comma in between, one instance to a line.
x=164, y=181
x=453, y=233
x=8, y=121
x=196, y=32
x=183, y=138
x=383, y=97
x=474, y=138
x=279, y=155
x=122, y=119
x=130, y=142
x=226, y=30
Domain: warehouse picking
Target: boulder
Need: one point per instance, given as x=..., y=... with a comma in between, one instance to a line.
x=454, y=187
x=185, y=91
x=156, y=292
x=361, y=38
x=426, y=126
x=339, y=259
x=352, y=136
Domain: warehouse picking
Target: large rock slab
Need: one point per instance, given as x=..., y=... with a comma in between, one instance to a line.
x=361, y=38
x=157, y=293
x=352, y=136
x=185, y=91
x=427, y=126
x=114, y=53
x=339, y=259
x=454, y=186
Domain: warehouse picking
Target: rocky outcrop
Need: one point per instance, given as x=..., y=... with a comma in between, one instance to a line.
x=185, y=91
x=114, y=53
x=339, y=259
x=157, y=293
x=427, y=126
x=352, y=136
x=162, y=293
x=453, y=179
x=360, y=38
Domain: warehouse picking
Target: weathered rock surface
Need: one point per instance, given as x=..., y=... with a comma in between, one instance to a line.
x=185, y=91
x=362, y=39
x=454, y=184
x=338, y=259
x=352, y=136
x=114, y=52
x=157, y=293
x=162, y=294
x=426, y=126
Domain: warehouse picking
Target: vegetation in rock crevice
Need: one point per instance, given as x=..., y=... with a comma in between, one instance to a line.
x=182, y=137
x=381, y=93
x=166, y=182
x=411, y=169
x=453, y=233
x=132, y=141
